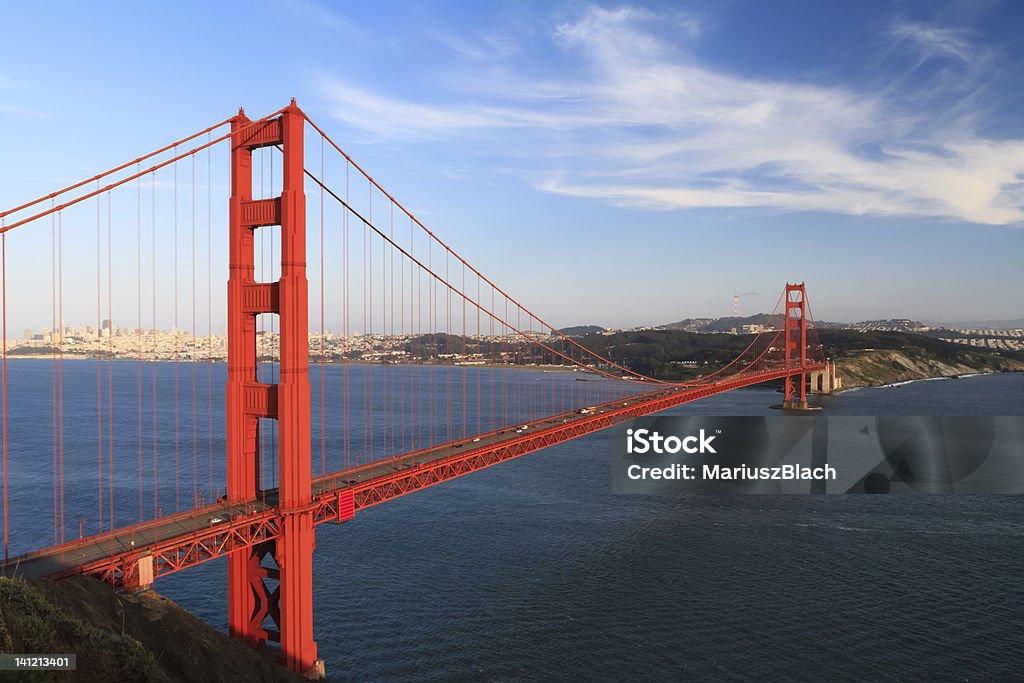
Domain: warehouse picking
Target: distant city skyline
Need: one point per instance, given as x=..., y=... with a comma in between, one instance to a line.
x=612, y=164
x=46, y=334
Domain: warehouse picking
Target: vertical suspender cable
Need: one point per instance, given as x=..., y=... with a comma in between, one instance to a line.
x=403, y=358
x=53, y=351
x=209, y=314
x=369, y=330
x=99, y=368
x=110, y=367
x=193, y=354
x=385, y=368
x=323, y=348
x=411, y=417
x=3, y=289
x=347, y=287
x=389, y=375
x=520, y=379
x=448, y=346
x=504, y=369
x=177, y=441
x=480, y=354
x=491, y=344
x=156, y=485
x=60, y=369
x=431, y=334
x=366, y=358
x=138, y=323
x=465, y=368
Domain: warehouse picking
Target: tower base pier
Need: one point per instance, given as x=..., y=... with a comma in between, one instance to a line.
x=797, y=404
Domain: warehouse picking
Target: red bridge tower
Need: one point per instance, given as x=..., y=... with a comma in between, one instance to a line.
x=795, y=347
x=270, y=585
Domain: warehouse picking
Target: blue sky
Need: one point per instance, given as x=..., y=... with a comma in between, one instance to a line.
x=619, y=164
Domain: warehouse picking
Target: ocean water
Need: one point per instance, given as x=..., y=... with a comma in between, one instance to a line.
x=535, y=570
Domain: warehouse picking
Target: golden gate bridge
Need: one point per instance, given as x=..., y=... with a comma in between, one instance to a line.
x=435, y=371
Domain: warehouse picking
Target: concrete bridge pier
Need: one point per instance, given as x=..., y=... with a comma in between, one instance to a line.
x=797, y=404
x=825, y=381
x=817, y=382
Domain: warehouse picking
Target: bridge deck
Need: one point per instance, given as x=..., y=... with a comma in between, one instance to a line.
x=200, y=534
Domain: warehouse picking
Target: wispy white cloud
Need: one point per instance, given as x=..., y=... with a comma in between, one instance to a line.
x=396, y=118
x=640, y=122
x=480, y=47
x=934, y=40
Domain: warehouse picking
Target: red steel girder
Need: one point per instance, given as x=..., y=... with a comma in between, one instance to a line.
x=429, y=473
x=183, y=551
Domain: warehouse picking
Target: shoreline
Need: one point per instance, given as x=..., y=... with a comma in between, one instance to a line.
x=596, y=375
x=938, y=378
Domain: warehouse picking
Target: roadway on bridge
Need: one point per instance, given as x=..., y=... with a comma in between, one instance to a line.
x=464, y=446
x=61, y=558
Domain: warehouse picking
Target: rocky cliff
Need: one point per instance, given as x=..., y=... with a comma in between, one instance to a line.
x=875, y=367
x=120, y=636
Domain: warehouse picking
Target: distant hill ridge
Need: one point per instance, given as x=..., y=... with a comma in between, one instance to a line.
x=730, y=323
x=723, y=324
x=581, y=330
x=1014, y=324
